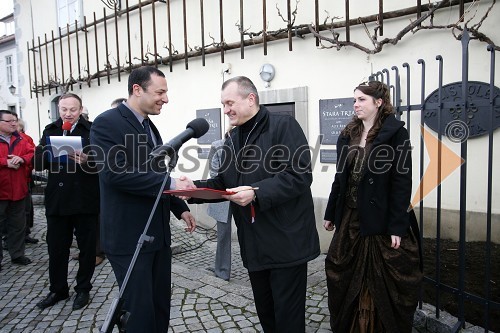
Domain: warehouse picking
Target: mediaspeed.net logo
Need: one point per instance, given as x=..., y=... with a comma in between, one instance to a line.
x=456, y=131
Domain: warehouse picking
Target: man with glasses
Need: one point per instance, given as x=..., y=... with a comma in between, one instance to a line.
x=15, y=151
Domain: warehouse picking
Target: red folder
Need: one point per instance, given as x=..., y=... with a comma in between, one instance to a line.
x=200, y=193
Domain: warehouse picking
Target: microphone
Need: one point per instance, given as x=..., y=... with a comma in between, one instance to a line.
x=195, y=129
x=66, y=126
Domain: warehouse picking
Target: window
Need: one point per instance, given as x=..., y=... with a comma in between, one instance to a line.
x=9, y=28
x=287, y=109
x=8, y=68
x=67, y=12
x=54, y=112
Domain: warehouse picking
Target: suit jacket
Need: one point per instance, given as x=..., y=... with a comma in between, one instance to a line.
x=129, y=184
x=219, y=211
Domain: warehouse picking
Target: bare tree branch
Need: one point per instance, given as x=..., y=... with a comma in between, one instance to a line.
x=330, y=23
x=413, y=27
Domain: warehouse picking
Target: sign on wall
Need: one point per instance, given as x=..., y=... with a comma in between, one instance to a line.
x=328, y=156
x=477, y=114
x=212, y=116
x=334, y=114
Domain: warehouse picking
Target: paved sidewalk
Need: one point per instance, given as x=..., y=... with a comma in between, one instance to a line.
x=200, y=301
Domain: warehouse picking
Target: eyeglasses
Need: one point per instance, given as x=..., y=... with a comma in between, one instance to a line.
x=10, y=121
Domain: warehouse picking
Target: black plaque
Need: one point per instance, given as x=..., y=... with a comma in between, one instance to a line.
x=456, y=125
x=214, y=132
x=328, y=156
x=203, y=152
x=334, y=114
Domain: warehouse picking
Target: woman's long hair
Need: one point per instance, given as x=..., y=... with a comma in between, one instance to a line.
x=376, y=90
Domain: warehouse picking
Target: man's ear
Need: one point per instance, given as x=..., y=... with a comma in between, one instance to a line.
x=251, y=98
x=136, y=89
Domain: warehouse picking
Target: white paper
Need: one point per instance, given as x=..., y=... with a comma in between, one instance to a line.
x=64, y=145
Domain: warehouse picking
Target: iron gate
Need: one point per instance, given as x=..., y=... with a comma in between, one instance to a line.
x=459, y=111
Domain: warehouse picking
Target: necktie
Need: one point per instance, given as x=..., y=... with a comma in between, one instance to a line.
x=147, y=128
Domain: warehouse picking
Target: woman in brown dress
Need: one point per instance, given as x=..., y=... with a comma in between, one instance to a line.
x=373, y=265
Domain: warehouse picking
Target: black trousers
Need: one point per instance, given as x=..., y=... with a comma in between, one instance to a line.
x=29, y=210
x=59, y=238
x=147, y=293
x=280, y=298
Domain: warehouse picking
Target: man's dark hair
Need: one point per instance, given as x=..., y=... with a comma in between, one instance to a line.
x=142, y=77
x=245, y=87
x=118, y=101
x=2, y=112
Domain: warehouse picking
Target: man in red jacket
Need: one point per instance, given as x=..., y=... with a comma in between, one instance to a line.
x=15, y=152
x=28, y=200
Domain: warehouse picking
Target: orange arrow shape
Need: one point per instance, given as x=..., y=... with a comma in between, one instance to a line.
x=450, y=161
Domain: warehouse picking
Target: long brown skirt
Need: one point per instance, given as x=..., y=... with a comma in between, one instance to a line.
x=371, y=286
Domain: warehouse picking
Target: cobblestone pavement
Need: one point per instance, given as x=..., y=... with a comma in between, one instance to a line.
x=200, y=301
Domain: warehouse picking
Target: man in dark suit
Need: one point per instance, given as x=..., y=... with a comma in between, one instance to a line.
x=123, y=138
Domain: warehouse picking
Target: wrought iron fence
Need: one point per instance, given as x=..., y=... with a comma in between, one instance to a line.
x=458, y=112
x=102, y=45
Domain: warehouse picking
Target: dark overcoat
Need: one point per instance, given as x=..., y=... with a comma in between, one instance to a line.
x=71, y=188
x=277, y=161
x=385, y=187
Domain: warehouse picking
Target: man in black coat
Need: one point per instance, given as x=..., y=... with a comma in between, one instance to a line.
x=71, y=204
x=268, y=164
x=123, y=138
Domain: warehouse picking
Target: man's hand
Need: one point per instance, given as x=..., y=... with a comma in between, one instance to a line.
x=11, y=165
x=190, y=221
x=184, y=183
x=243, y=195
x=15, y=159
x=79, y=157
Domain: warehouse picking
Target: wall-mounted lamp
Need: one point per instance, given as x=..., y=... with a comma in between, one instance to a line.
x=12, y=89
x=267, y=74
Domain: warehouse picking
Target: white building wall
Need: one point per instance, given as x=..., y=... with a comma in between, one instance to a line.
x=327, y=73
x=6, y=98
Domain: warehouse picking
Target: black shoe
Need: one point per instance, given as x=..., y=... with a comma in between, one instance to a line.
x=51, y=299
x=30, y=240
x=22, y=260
x=81, y=299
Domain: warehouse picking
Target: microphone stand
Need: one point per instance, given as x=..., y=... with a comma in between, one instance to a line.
x=117, y=316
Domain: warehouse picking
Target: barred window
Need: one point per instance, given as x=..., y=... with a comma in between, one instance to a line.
x=67, y=12
x=8, y=69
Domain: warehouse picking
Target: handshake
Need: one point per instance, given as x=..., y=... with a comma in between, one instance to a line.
x=243, y=195
x=184, y=183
